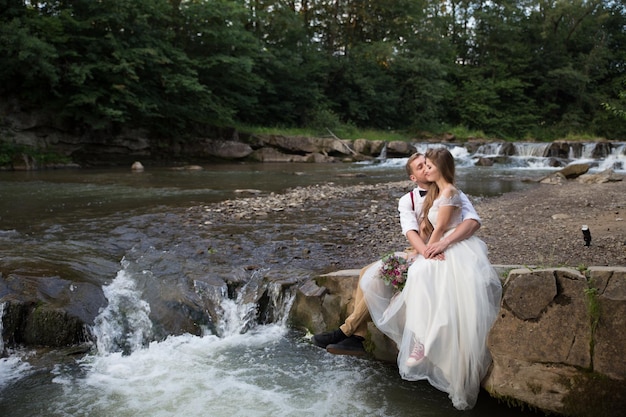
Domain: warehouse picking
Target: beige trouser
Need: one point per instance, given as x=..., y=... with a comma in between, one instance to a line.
x=356, y=323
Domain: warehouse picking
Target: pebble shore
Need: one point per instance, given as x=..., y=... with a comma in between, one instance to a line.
x=538, y=227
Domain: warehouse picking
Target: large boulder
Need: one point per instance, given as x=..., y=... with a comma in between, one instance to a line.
x=556, y=341
x=368, y=147
x=601, y=177
x=227, y=149
x=541, y=336
x=398, y=148
x=324, y=303
x=302, y=145
x=574, y=170
x=48, y=311
x=608, y=314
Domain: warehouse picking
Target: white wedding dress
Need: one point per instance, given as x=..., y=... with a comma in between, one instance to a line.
x=448, y=306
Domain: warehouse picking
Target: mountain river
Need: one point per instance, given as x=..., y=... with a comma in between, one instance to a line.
x=122, y=230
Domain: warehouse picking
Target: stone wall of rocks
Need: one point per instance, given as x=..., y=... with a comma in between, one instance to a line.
x=223, y=144
x=558, y=344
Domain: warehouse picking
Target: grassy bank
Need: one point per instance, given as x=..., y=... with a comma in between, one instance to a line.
x=10, y=152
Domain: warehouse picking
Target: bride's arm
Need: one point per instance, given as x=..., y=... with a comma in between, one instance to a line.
x=443, y=219
x=466, y=229
x=470, y=224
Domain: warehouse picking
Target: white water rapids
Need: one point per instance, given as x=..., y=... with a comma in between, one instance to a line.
x=266, y=371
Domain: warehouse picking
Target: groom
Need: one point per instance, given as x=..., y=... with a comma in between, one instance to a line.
x=348, y=339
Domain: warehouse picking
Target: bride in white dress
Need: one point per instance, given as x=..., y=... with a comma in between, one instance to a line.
x=441, y=319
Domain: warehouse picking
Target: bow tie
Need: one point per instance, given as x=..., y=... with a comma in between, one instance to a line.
x=422, y=193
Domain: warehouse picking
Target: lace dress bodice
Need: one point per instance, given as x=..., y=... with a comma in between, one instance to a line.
x=457, y=215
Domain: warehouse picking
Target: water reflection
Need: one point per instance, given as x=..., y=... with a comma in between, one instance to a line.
x=28, y=199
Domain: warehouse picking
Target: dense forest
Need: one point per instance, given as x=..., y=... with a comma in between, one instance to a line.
x=513, y=69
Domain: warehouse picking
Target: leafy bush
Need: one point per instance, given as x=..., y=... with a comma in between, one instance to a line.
x=9, y=151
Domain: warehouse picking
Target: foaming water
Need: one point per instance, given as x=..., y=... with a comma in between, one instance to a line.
x=269, y=371
x=266, y=372
x=13, y=368
x=125, y=323
x=182, y=375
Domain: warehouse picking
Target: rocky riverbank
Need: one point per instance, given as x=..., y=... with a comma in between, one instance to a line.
x=540, y=226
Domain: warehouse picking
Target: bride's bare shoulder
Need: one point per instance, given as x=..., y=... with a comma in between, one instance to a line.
x=449, y=191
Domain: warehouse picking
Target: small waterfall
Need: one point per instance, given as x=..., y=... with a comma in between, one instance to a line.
x=587, y=151
x=530, y=155
x=616, y=159
x=489, y=149
x=236, y=315
x=528, y=150
x=14, y=366
x=125, y=323
x=281, y=302
x=383, y=153
x=2, y=307
x=601, y=156
x=254, y=303
x=582, y=151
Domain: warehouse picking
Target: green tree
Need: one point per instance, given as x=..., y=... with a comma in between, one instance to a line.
x=373, y=80
x=224, y=51
x=491, y=77
x=570, y=62
x=28, y=56
x=510, y=68
x=120, y=67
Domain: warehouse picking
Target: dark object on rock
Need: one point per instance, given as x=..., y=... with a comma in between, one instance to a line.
x=586, y=235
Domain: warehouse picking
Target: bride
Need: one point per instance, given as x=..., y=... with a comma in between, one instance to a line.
x=441, y=319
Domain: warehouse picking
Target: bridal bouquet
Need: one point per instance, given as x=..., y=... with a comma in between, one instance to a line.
x=394, y=270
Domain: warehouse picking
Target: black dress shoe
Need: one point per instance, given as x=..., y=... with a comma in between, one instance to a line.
x=324, y=339
x=352, y=345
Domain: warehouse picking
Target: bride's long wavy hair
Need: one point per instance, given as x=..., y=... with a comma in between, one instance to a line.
x=444, y=161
